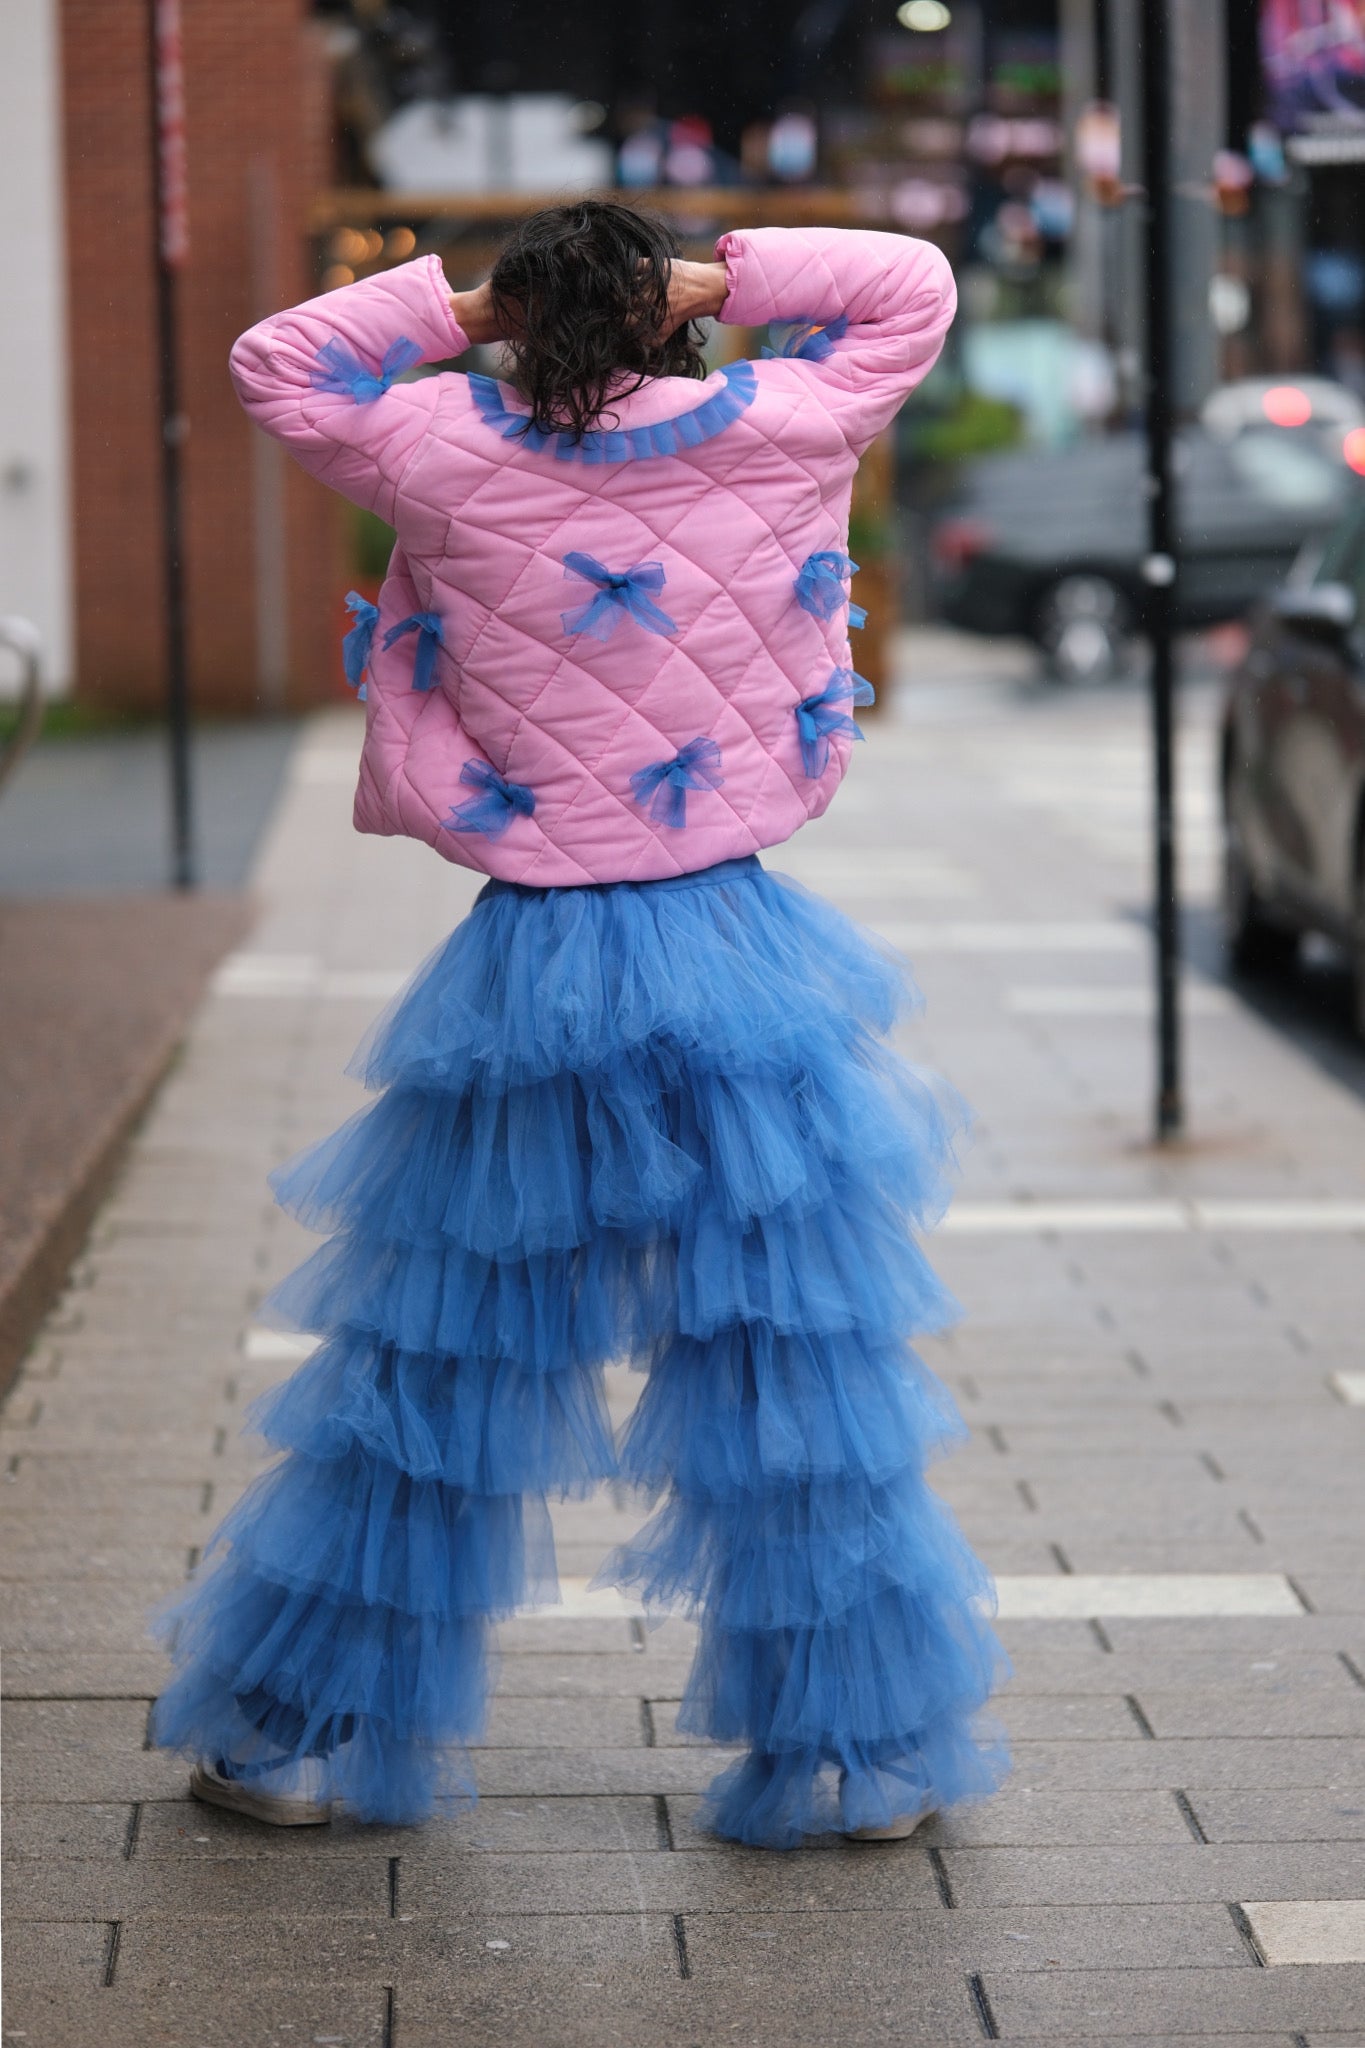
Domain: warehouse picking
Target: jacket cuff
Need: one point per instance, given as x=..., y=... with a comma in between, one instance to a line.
x=455, y=334
x=735, y=311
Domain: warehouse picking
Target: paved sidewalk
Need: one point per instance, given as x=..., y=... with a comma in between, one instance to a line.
x=95, y=995
x=1162, y=1367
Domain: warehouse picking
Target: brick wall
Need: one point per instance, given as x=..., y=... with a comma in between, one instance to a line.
x=261, y=630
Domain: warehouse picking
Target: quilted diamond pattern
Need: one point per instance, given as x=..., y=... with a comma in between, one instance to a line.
x=744, y=495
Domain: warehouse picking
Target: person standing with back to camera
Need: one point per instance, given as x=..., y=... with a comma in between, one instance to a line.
x=641, y=1101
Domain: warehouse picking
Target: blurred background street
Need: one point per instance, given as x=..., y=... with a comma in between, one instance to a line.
x=1160, y=1362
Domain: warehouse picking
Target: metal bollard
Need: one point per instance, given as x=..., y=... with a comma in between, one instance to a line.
x=21, y=636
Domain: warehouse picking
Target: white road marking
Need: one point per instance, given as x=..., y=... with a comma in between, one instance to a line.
x=1091, y=1001
x=249, y=974
x=580, y=1600
x=1329, y=1215
x=985, y=1218
x=1057, y=1596
x=270, y=975
x=1348, y=1387
x=1082, y=1596
x=279, y=1346
x=1078, y=935
x=1308, y=1930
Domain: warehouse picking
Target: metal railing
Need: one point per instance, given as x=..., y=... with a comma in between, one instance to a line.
x=21, y=638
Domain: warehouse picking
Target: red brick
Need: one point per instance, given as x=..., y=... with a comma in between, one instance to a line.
x=257, y=115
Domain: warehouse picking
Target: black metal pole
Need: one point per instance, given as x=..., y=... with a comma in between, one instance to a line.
x=1160, y=566
x=173, y=430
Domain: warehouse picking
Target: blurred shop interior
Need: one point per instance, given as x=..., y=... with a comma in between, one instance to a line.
x=324, y=143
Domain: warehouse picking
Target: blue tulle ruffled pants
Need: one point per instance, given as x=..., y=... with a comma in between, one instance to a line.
x=652, y=1120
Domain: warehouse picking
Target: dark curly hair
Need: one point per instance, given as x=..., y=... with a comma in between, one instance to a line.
x=581, y=292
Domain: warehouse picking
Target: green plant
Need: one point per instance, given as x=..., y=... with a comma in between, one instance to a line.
x=69, y=718
x=869, y=535
x=972, y=425
x=371, y=545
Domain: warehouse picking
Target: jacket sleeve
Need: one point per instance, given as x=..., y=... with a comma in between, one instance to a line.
x=890, y=300
x=319, y=378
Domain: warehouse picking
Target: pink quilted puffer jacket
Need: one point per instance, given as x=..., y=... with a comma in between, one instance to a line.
x=627, y=657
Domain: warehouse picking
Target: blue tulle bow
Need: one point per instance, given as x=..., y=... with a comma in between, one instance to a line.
x=340, y=370
x=431, y=635
x=619, y=591
x=355, y=648
x=497, y=803
x=811, y=341
x=818, y=717
x=820, y=586
x=663, y=786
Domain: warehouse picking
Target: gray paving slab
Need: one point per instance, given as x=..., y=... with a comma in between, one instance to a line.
x=33, y=1828
x=721, y=1879
x=1018, y=1939
x=1095, y=2005
x=1189, y=1870
x=620, y=1676
x=28, y=1489
x=87, y=1751
x=1019, y=1816
x=1206, y=1673
x=564, y=1723
x=74, y=1559
x=79, y=1674
x=1092, y=1717
x=225, y=1888
x=1278, y=1764
x=1254, y=1638
x=1331, y=1814
x=1334, y=1592
x=44, y=1614
x=282, y=1950
x=1025, y=1640
x=278, y=2018
x=1339, y=1710
x=1279, y=2039
x=562, y=1637
x=542, y=1773
x=183, y=1830
x=612, y=2013
x=62, y=1956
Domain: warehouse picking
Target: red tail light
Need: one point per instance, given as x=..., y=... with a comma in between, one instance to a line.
x=957, y=542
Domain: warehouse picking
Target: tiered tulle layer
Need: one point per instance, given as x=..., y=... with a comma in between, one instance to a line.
x=657, y=1120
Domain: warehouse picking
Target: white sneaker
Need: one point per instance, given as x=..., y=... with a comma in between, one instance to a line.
x=895, y=1831
x=289, y=1795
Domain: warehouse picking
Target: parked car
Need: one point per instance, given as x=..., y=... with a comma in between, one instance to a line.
x=1334, y=413
x=1049, y=544
x=1293, y=766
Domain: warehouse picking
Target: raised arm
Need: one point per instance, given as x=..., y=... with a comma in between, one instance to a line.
x=881, y=305
x=320, y=377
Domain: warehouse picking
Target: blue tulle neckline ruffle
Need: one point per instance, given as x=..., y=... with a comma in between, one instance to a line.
x=661, y=1121
x=622, y=444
